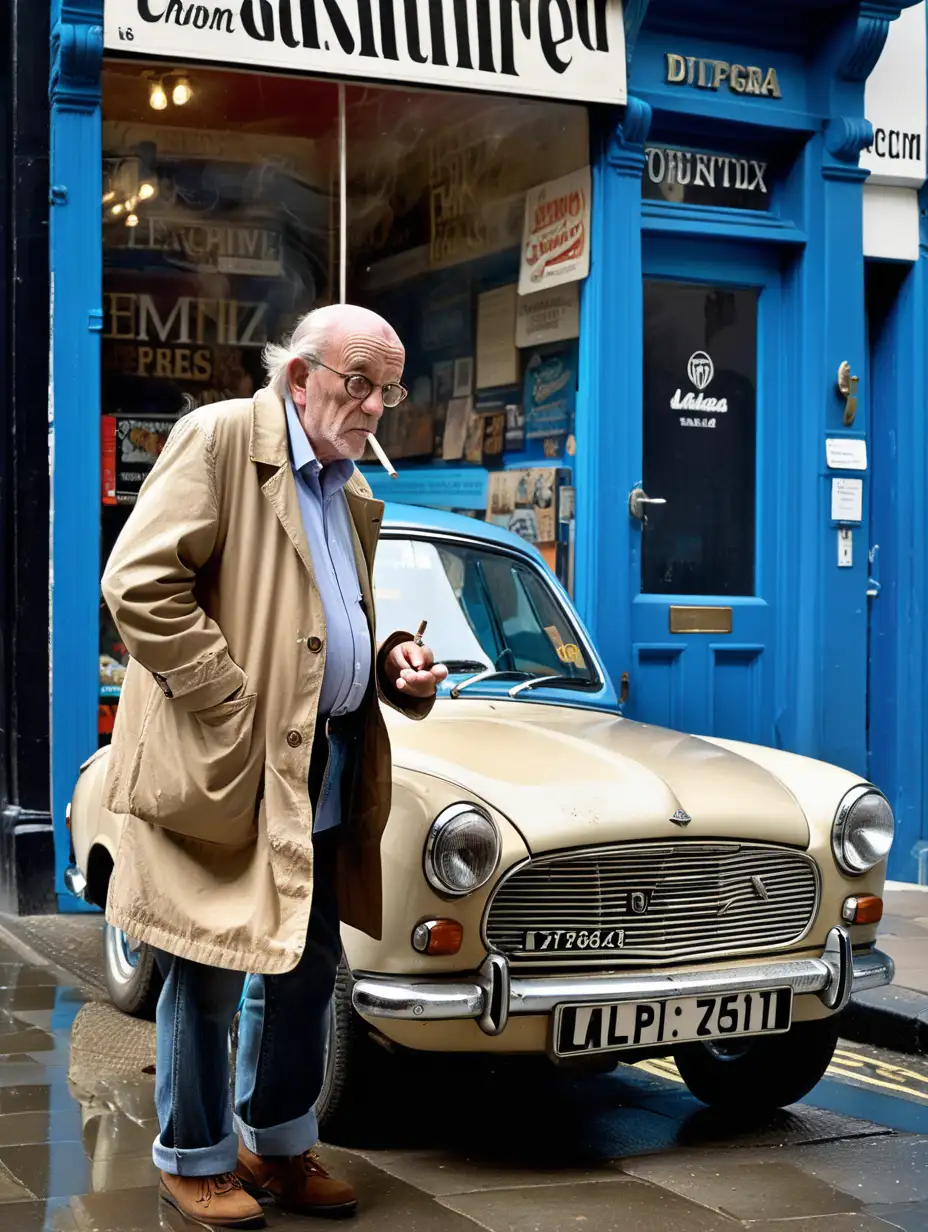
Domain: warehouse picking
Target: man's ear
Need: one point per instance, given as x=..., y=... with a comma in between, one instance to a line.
x=297, y=374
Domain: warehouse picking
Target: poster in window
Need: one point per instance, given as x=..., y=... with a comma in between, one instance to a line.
x=550, y=393
x=523, y=501
x=139, y=443
x=497, y=357
x=548, y=316
x=556, y=233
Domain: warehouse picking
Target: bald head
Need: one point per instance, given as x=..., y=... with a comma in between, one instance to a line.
x=351, y=340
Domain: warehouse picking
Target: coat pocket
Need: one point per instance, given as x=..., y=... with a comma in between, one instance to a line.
x=199, y=773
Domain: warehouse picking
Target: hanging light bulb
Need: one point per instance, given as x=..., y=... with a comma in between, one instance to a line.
x=132, y=220
x=182, y=93
x=108, y=197
x=157, y=99
x=146, y=191
x=117, y=208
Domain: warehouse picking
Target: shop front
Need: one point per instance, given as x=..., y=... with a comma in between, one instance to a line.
x=634, y=315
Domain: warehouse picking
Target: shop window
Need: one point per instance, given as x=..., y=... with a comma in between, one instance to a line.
x=235, y=202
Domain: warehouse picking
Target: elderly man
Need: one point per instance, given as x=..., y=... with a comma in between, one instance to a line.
x=251, y=757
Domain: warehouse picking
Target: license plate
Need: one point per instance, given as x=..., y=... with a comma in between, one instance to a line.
x=547, y=940
x=611, y=1026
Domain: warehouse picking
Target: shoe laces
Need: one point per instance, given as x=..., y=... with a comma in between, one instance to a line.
x=210, y=1186
x=312, y=1166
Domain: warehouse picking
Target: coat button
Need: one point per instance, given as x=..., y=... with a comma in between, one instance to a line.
x=314, y=644
x=294, y=739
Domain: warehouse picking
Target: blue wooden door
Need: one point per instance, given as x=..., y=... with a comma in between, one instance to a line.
x=704, y=564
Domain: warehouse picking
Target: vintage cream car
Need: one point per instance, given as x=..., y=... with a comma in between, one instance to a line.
x=559, y=880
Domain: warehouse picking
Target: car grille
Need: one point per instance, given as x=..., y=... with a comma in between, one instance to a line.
x=671, y=901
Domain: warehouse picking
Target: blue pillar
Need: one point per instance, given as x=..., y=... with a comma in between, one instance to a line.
x=609, y=406
x=74, y=399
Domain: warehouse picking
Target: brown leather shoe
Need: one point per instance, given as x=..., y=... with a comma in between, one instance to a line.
x=300, y=1184
x=212, y=1201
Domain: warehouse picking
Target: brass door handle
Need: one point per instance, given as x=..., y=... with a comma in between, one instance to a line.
x=847, y=388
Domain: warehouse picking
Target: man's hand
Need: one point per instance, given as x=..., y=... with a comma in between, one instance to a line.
x=412, y=669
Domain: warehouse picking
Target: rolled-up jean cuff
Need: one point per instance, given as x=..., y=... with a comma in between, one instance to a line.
x=291, y=1138
x=200, y=1161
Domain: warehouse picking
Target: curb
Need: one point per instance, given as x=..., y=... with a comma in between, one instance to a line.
x=892, y=1017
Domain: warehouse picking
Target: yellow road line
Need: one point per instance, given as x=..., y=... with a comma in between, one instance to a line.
x=881, y=1067
x=876, y=1082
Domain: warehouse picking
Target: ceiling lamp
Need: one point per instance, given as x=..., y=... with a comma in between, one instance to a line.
x=157, y=99
x=117, y=208
x=182, y=92
x=132, y=220
x=146, y=191
x=108, y=197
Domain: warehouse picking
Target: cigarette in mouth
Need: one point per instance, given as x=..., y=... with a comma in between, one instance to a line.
x=420, y=632
x=381, y=456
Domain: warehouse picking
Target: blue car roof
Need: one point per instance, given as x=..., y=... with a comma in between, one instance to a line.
x=420, y=518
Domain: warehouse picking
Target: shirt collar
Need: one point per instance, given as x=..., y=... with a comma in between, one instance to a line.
x=302, y=455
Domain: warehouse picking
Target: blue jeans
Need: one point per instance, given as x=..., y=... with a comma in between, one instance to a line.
x=281, y=1047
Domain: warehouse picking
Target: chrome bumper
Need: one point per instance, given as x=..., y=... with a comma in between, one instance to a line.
x=75, y=881
x=494, y=994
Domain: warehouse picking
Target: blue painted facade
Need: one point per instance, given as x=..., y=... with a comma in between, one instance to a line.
x=811, y=664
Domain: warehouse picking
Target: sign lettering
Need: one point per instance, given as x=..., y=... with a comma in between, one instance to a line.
x=570, y=49
x=705, y=179
x=713, y=74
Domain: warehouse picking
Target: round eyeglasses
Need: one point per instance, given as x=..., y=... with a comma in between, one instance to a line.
x=359, y=388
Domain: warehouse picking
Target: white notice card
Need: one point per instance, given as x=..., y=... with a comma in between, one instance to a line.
x=843, y=454
x=497, y=357
x=847, y=500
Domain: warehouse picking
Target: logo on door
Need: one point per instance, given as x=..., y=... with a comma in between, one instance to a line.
x=700, y=370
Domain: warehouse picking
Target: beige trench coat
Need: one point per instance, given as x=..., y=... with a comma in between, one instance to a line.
x=211, y=587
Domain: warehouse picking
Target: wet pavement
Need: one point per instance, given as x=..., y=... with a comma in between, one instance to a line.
x=456, y=1146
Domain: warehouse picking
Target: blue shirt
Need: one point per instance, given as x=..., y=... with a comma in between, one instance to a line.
x=328, y=528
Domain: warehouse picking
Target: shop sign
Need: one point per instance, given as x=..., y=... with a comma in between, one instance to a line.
x=705, y=179
x=563, y=49
x=556, y=233
x=895, y=104
x=713, y=74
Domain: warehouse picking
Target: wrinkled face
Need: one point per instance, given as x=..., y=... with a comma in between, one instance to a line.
x=337, y=424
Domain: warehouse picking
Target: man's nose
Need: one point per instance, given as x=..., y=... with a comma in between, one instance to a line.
x=373, y=404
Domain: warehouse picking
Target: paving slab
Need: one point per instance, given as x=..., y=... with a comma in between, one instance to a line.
x=620, y=1205
x=909, y=1218
x=746, y=1188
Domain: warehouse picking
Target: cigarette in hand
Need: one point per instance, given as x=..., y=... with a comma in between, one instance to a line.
x=381, y=456
x=420, y=633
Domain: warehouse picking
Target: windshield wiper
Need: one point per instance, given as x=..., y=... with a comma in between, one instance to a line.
x=465, y=665
x=488, y=673
x=549, y=682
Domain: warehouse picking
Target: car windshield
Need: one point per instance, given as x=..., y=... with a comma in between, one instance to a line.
x=486, y=610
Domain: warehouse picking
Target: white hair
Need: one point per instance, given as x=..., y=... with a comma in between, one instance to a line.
x=307, y=342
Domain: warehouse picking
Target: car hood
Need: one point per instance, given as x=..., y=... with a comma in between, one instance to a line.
x=568, y=775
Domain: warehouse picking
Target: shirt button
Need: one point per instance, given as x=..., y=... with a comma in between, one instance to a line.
x=294, y=739
x=314, y=644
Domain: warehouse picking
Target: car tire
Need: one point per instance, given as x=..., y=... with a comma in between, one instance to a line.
x=133, y=980
x=752, y=1074
x=354, y=1069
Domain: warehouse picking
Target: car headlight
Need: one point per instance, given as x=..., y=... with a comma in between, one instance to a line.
x=863, y=830
x=462, y=850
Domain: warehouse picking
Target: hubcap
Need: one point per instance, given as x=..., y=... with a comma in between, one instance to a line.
x=123, y=954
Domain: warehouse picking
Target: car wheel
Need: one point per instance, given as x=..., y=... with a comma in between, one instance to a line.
x=132, y=976
x=354, y=1067
x=769, y=1072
